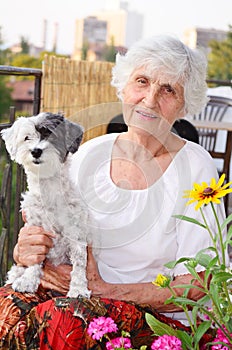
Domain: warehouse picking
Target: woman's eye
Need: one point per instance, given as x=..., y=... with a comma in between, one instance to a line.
x=168, y=89
x=141, y=81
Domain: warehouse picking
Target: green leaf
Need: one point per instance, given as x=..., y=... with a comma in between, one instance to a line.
x=213, y=262
x=229, y=325
x=195, y=315
x=204, y=300
x=187, y=218
x=172, y=264
x=226, y=221
x=203, y=259
x=214, y=292
x=221, y=277
x=186, y=339
x=184, y=301
x=229, y=235
x=201, y=330
x=159, y=328
x=192, y=270
x=187, y=287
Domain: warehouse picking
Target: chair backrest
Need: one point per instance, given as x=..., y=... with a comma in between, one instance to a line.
x=186, y=129
x=214, y=111
x=116, y=124
x=181, y=127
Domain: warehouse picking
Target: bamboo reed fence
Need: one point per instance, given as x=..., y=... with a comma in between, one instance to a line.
x=82, y=91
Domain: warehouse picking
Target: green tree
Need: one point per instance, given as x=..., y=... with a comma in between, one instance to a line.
x=26, y=61
x=6, y=57
x=5, y=98
x=220, y=58
x=25, y=46
x=5, y=91
x=109, y=52
x=84, y=50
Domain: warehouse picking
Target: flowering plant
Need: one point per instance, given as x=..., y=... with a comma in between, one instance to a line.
x=216, y=287
x=101, y=327
x=217, y=282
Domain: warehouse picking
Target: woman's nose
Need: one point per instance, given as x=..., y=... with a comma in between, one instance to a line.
x=150, y=96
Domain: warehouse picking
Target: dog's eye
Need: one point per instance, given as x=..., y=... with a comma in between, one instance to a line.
x=26, y=138
x=44, y=132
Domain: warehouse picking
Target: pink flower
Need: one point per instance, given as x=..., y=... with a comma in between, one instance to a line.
x=166, y=342
x=100, y=326
x=222, y=338
x=118, y=343
x=207, y=316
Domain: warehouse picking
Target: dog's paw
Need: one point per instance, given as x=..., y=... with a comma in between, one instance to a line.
x=29, y=281
x=74, y=292
x=23, y=285
x=14, y=273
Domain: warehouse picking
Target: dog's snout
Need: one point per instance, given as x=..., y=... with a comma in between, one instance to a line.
x=36, y=152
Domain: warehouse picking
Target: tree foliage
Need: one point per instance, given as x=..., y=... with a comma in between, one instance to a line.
x=25, y=46
x=5, y=98
x=109, y=53
x=27, y=61
x=84, y=50
x=220, y=58
x=23, y=59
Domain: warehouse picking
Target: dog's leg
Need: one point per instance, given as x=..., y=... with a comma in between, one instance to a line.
x=14, y=273
x=78, y=284
x=29, y=281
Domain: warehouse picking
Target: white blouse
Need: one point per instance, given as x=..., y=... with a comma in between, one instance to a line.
x=134, y=232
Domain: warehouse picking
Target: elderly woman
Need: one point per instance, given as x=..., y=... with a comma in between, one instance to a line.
x=133, y=184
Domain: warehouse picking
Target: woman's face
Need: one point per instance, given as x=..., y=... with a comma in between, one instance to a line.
x=151, y=102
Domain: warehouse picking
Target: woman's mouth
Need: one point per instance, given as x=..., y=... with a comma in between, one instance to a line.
x=146, y=115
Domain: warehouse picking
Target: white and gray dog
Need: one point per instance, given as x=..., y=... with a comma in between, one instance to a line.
x=41, y=144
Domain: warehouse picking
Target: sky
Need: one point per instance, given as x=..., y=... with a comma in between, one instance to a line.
x=26, y=18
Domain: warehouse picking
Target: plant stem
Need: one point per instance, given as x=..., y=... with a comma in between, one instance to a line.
x=185, y=311
x=211, y=235
x=219, y=234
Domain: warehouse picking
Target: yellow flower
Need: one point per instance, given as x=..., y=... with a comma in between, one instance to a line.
x=204, y=193
x=161, y=281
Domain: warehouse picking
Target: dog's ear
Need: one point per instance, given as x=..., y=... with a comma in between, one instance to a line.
x=73, y=136
x=8, y=138
x=47, y=123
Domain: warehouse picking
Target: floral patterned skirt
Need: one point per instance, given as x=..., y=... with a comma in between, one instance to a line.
x=47, y=322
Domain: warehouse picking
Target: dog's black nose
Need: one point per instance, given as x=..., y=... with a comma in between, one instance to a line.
x=36, y=152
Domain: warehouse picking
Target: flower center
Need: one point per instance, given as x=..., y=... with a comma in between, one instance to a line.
x=208, y=191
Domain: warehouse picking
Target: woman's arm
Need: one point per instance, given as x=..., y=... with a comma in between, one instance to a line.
x=33, y=245
x=56, y=278
x=146, y=293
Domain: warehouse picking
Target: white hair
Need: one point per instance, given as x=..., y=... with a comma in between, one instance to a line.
x=172, y=58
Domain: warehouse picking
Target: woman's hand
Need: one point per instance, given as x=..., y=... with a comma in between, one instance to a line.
x=32, y=246
x=96, y=284
x=56, y=278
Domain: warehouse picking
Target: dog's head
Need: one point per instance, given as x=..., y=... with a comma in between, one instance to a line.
x=37, y=140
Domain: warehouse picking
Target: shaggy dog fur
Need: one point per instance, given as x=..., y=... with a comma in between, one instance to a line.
x=41, y=144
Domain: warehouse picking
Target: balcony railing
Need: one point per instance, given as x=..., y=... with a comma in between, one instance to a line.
x=12, y=177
